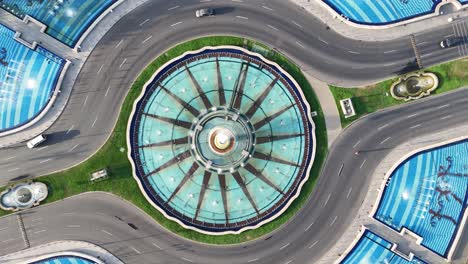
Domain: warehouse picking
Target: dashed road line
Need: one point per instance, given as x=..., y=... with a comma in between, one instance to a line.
x=415, y=126
x=186, y=259
x=94, y=123
x=74, y=147
x=443, y=106
x=69, y=130
x=295, y=23
x=73, y=226
x=323, y=41
x=385, y=140
x=349, y=192
x=308, y=227
x=146, y=39
x=357, y=143
x=100, y=69
x=40, y=231
x=242, y=17
x=41, y=148
x=85, y=101
x=136, y=250
x=299, y=44
x=382, y=127
x=363, y=163
x=267, y=8
x=389, y=51
x=413, y=115
x=8, y=240
x=446, y=117
x=272, y=27
x=313, y=244
x=285, y=246
x=144, y=22
x=44, y=161
x=118, y=44
x=288, y=262
x=353, y=52
x=15, y=169
x=252, y=260
x=334, y=220
x=123, y=62
x=341, y=169
x=107, y=91
x=10, y=158
x=172, y=8
x=328, y=198
x=156, y=245
x=106, y=232
x=175, y=24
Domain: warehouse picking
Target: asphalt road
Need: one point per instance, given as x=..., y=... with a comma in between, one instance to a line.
x=308, y=236
x=123, y=52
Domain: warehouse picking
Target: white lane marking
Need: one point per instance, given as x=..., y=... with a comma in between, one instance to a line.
x=107, y=91
x=362, y=165
x=309, y=226
x=295, y=23
x=385, y=140
x=242, y=17
x=448, y=36
x=390, y=64
x=446, y=117
x=267, y=8
x=144, y=22
x=285, y=246
x=334, y=220
x=413, y=115
x=100, y=69
x=313, y=244
x=323, y=41
x=172, y=8
x=272, y=27
x=239, y=1
x=134, y=249
x=74, y=147
x=41, y=148
x=443, y=106
x=94, y=123
x=357, y=143
x=382, y=127
x=175, y=24
x=146, y=39
x=415, y=126
x=118, y=44
x=12, y=157
x=123, y=62
x=40, y=231
x=203, y=1
x=186, y=259
x=5, y=228
x=85, y=100
x=341, y=169
x=70, y=129
x=154, y=244
x=424, y=42
x=288, y=262
x=353, y=52
x=44, y=161
x=349, y=192
x=10, y=170
x=328, y=198
x=255, y=259
x=106, y=232
x=8, y=240
x=73, y=226
x=389, y=51
x=299, y=44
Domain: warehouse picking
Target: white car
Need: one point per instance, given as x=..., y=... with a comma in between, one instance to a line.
x=36, y=141
x=204, y=12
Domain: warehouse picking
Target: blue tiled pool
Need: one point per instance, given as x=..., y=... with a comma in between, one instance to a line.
x=428, y=194
x=383, y=12
x=65, y=260
x=27, y=80
x=67, y=20
x=372, y=249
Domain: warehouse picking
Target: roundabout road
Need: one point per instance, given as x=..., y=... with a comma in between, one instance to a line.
x=131, y=44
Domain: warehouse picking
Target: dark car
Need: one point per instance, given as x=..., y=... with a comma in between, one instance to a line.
x=450, y=42
x=204, y=12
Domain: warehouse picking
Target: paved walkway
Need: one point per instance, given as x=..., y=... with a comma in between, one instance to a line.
x=61, y=248
x=363, y=216
x=376, y=34
x=330, y=111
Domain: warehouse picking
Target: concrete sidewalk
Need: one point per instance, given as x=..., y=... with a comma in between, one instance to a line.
x=380, y=33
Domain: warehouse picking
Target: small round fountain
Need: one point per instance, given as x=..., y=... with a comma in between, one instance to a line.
x=23, y=196
x=414, y=86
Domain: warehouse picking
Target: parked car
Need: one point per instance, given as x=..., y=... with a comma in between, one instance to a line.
x=204, y=12
x=451, y=42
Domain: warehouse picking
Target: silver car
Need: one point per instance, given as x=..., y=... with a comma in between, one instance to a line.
x=204, y=12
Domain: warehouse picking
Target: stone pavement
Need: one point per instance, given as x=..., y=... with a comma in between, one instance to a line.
x=31, y=32
x=330, y=111
x=363, y=217
x=61, y=248
x=372, y=33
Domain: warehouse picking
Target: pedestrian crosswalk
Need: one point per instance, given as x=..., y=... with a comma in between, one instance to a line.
x=460, y=29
